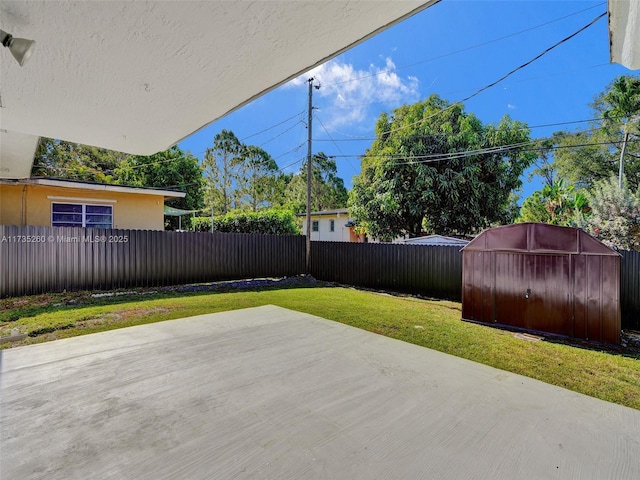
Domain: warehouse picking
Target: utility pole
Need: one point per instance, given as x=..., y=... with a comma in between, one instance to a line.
x=309, y=172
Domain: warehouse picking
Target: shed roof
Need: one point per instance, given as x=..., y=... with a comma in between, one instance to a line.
x=538, y=238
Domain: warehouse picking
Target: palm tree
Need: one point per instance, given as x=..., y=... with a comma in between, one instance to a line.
x=622, y=106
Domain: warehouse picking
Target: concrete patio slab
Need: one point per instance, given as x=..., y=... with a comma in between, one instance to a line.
x=274, y=394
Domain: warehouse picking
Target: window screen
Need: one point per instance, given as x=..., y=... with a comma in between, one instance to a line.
x=80, y=215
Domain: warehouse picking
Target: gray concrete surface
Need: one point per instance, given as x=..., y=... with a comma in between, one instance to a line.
x=273, y=394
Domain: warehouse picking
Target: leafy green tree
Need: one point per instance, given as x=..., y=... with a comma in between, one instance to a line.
x=545, y=166
x=327, y=189
x=435, y=167
x=615, y=214
x=621, y=112
x=222, y=164
x=555, y=204
x=258, y=184
x=75, y=161
x=173, y=169
x=585, y=158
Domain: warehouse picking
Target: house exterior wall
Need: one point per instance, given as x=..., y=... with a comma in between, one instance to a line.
x=31, y=205
x=341, y=233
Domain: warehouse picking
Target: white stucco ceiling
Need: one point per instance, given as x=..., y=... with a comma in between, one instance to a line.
x=624, y=32
x=138, y=76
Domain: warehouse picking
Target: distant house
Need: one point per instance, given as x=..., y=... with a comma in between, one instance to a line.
x=435, y=240
x=331, y=226
x=50, y=202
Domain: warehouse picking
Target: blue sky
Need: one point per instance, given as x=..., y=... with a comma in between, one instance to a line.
x=452, y=49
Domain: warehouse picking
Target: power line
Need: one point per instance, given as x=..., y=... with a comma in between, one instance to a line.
x=282, y=133
x=525, y=127
x=456, y=52
x=336, y=145
x=272, y=126
x=504, y=77
x=513, y=148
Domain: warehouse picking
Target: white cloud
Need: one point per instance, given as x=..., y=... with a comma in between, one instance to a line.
x=350, y=96
x=511, y=107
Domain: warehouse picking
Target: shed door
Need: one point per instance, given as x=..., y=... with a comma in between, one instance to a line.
x=533, y=292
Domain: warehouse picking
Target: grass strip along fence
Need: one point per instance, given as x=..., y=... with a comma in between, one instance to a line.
x=37, y=260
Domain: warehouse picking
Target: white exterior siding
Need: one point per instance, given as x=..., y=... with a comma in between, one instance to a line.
x=340, y=233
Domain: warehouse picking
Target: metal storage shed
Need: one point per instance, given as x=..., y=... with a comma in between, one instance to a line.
x=543, y=277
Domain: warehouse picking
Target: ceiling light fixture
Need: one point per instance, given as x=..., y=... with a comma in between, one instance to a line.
x=20, y=48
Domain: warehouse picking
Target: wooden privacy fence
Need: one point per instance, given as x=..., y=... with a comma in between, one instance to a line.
x=44, y=259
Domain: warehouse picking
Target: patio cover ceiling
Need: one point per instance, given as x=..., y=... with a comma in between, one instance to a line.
x=140, y=76
x=624, y=32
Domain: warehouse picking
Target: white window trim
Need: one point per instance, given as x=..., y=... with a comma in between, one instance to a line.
x=84, y=211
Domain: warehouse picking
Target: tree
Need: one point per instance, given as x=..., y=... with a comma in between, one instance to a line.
x=583, y=158
x=74, y=161
x=222, y=164
x=173, y=169
x=258, y=183
x=435, y=167
x=545, y=167
x=555, y=204
x=327, y=189
x=615, y=214
x=587, y=157
x=621, y=112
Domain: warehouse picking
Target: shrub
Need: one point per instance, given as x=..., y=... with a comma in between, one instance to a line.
x=274, y=222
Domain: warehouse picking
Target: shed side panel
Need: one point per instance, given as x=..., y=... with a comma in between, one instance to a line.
x=511, y=273
x=548, y=306
x=594, y=303
x=488, y=279
x=610, y=300
x=468, y=287
x=579, y=269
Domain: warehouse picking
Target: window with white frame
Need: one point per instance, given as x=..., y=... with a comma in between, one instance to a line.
x=315, y=225
x=332, y=225
x=81, y=215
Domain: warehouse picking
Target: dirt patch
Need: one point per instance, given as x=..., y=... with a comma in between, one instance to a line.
x=118, y=317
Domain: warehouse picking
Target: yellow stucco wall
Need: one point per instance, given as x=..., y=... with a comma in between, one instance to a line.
x=31, y=205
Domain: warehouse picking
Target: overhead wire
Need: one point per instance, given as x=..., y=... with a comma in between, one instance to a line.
x=514, y=148
x=466, y=49
x=336, y=145
x=527, y=127
x=272, y=126
x=494, y=83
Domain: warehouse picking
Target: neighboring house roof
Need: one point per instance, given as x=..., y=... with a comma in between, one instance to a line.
x=74, y=184
x=436, y=240
x=337, y=211
x=140, y=76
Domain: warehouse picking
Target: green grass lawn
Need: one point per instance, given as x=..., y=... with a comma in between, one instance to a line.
x=605, y=375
